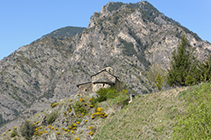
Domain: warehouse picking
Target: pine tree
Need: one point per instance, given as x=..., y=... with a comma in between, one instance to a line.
x=205, y=70
x=180, y=64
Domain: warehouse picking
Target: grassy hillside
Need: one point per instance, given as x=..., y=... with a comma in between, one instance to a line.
x=180, y=113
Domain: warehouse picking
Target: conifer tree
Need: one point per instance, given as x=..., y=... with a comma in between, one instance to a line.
x=180, y=64
x=205, y=70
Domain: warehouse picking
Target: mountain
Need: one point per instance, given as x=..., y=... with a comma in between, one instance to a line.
x=68, y=31
x=131, y=38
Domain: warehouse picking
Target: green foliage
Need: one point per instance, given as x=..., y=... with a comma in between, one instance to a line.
x=181, y=64
x=195, y=123
x=79, y=108
x=51, y=117
x=189, y=80
x=205, y=70
x=106, y=93
x=13, y=134
x=27, y=129
x=153, y=71
x=159, y=80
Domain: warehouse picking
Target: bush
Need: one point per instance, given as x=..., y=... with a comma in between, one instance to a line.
x=52, y=117
x=27, y=130
x=159, y=80
x=13, y=134
x=106, y=93
x=79, y=108
x=102, y=94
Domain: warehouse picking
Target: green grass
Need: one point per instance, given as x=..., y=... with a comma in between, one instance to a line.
x=181, y=113
x=149, y=116
x=195, y=121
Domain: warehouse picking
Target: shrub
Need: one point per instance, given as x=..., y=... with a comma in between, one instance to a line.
x=102, y=94
x=105, y=93
x=159, y=80
x=52, y=117
x=79, y=108
x=13, y=134
x=27, y=130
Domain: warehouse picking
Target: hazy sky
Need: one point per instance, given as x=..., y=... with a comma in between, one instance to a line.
x=23, y=21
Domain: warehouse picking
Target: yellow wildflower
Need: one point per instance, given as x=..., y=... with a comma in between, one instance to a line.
x=90, y=127
x=85, y=120
x=91, y=133
x=77, y=122
x=99, y=109
x=57, y=133
x=15, y=127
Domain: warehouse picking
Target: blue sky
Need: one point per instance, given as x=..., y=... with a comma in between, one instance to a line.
x=23, y=21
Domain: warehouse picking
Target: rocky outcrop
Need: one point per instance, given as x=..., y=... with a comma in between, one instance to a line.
x=127, y=37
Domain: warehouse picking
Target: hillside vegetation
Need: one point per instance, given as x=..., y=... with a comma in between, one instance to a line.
x=172, y=114
x=181, y=113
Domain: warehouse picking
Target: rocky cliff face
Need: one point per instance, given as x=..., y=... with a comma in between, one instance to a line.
x=127, y=37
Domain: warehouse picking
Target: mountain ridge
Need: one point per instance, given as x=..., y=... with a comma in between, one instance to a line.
x=127, y=39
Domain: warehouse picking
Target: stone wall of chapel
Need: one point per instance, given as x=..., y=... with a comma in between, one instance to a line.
x=96, y=87
x=85, y=89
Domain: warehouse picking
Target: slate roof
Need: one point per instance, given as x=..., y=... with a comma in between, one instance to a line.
x=103, y=80
x=83, y=84
x=102, y=71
